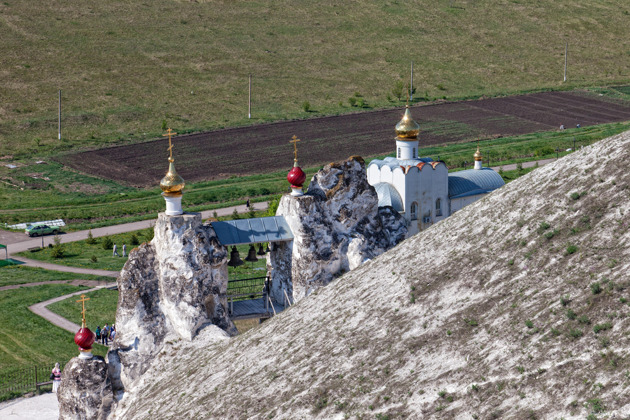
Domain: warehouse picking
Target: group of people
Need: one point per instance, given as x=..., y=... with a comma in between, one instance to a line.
x=124, y=250
x=104, y=335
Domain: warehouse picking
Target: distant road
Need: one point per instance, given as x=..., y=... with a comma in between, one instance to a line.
x=20, y=242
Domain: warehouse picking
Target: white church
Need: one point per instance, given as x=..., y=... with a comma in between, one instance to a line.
x=421, y=189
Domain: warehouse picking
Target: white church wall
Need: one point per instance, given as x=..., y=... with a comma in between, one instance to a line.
x=459, y=203
x=373, y=174
x=386, y=174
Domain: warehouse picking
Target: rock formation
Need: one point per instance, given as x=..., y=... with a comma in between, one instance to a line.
x=85, y=391
x=515, y=307
x=336, y=225
x=168, y=290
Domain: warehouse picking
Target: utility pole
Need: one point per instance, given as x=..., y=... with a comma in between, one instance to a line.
x=59, y=117
x=566, y=52
x=249, y=112
x=411, y=85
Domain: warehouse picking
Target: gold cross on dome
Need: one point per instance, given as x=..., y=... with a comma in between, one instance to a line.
x=83, y=300
x=169, y=133
x=294, y=141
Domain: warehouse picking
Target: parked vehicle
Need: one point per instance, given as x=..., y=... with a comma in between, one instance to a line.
x=40, y=230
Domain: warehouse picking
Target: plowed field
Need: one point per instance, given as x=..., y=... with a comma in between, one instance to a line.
x=266, y=148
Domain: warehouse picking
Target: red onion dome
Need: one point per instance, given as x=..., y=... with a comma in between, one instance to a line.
x=84, y=338
x=296, y=177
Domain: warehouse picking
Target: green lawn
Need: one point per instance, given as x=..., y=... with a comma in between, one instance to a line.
x=27, y=340
x=100, y=309
x=19, y=274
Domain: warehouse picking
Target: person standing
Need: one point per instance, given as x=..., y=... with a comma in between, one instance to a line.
x=115, y=253
x=112, y=335
x=98, y=333
x=105, y=335
x=124, y=253
x=56, y=377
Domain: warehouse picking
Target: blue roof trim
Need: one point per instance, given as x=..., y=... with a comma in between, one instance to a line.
x=253, y=231
x=473, y=182
x=388, y=196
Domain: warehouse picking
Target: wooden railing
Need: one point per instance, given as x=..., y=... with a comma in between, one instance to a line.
x=22, y=380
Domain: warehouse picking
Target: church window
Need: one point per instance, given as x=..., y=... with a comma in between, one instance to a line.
x=438, y=207
x=399, y=153
x=414, y=211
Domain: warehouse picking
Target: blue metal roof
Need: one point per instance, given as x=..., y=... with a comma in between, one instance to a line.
x=388, y=196
x=392, y=162
x=253, y=231
x=473, y=182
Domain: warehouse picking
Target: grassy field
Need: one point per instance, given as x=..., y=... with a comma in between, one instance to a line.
x=19, y=274
x=28, y=340
x=126, y=68
x=100, y=309
x=83, y=210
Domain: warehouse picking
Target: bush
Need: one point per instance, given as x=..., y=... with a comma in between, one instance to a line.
x=596, y=288
x=352, y=101
x=576, y=333
x=90, y=239
x=571, y=249
x=107, y=243
x=529, y=323
x=602, y=327
x=94, y=259
x=397, y=91
x=58, y=250
x=571, y=314
x=306, y=106
x=134, y=239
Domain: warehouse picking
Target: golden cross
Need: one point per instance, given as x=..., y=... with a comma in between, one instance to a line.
x=83, y=300
x=169, y=133
x=294, y=141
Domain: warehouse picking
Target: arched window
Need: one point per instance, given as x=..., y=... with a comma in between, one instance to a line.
x=414, y=153
x=414, y=211
x=399, y=153
x=438, y=207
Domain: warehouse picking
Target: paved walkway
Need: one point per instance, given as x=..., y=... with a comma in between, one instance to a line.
x=41, y=407
x=41, y=310
x=512, y=166
x=89, y=283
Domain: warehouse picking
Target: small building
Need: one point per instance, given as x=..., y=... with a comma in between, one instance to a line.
x=421, y=189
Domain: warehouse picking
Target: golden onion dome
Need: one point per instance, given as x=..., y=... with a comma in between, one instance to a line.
x=172, y=183
x=407, y=128
x=477, y=154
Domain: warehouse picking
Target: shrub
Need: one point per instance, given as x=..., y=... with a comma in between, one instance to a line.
x=565, y=300
x=397, y=91
x=306, y=106
x=543, y=226
x=235, y=215
x=94, y=259
x=571, y=314
x=90, y=239
x=529, y=323
x=596, y=288
x=576, y=333
x=575, y=196
x=550, y=234
x=584, y=320
x=602, y=327
x=58, y=250
x=107, y=243
x=571, y=249
x=352, y=101
x=134, y=239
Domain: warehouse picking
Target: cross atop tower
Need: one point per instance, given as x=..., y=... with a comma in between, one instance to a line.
x=169, y=133
x=295, y=142
x=83, y=300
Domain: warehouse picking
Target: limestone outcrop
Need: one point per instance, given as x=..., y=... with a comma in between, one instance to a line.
x=168, y=290
x=85, y=391
x=336, y=225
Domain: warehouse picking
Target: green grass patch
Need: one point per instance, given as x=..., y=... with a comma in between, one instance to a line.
x=100, y=309
x=28, y=340
x=20, y=274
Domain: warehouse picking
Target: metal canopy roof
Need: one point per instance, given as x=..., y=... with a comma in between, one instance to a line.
x=253, y=231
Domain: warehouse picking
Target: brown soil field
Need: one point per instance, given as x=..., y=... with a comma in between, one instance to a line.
x=265, y=148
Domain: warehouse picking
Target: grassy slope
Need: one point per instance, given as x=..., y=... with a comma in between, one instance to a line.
x=126, y=66
x=27, y=339
x=101, y=308
x=18, y=274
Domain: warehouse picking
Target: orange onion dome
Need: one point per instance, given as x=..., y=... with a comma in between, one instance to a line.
x=296, y=177
x=84, y=338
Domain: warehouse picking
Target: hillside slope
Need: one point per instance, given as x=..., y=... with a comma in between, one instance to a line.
x=126, y=66
x=514, y=307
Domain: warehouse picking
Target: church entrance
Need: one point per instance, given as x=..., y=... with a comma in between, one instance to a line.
x=248, y=242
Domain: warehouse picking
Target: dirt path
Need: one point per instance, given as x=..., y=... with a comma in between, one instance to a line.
x=41, y=310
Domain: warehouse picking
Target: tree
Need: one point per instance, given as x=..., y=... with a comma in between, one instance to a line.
x=397, y=91
x=107, y=243
x=58, y=249
x=90, y=239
